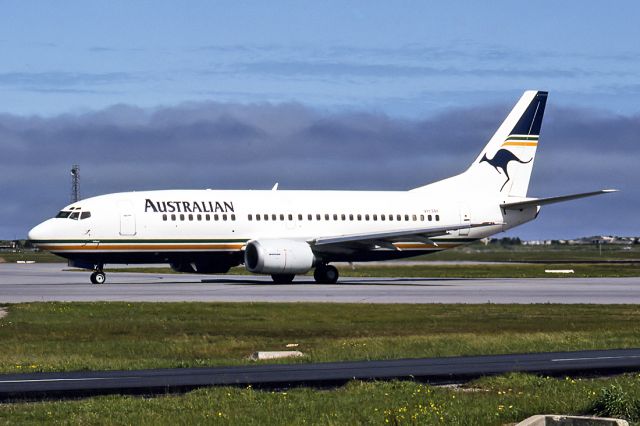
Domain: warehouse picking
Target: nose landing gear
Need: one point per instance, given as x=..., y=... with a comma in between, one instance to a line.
x=98, y=276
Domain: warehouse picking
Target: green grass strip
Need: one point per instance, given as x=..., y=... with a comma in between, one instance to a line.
x=90, y=336
x=493, y=401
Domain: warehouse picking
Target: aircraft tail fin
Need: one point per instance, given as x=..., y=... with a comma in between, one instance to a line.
x=507, y=160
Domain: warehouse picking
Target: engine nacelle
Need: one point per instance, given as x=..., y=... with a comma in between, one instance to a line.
x=278, y=257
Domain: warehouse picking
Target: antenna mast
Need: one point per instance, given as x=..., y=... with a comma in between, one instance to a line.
x=75, y=183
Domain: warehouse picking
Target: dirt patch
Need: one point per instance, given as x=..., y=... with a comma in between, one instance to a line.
x=3, y=313
x=2, y=260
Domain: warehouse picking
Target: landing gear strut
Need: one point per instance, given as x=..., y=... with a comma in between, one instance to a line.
x=326, y=274
x=98, y=276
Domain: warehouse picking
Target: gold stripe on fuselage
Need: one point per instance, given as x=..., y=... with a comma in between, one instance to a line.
x=105, y=247
x=138, y=247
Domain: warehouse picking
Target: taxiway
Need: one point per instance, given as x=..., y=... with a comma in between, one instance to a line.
x=53, y=282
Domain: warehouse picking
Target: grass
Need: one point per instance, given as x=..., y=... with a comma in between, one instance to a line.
x=549, y=254
x=37, y=256
x=489, y=401
x=81, y=336
x=494, y=271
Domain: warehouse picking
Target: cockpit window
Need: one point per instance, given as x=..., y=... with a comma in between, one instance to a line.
x=75, y=215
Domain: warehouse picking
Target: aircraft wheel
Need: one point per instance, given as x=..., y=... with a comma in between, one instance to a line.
x=98, y=277
x=327, y=274
x=283, y=278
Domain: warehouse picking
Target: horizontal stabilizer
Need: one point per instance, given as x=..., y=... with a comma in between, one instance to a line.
x=395, y=235
x=551, y=200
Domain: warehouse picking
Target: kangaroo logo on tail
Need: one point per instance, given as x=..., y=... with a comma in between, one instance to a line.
x=501, y=160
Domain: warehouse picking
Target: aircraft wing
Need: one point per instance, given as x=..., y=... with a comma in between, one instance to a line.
x=551, y=200
x=385, y=239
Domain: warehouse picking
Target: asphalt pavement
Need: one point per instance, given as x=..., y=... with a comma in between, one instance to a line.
x=53, y=282
x=431, y=370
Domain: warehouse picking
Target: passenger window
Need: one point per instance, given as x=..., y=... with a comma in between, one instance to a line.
x=265, y=217
x=309, y=217
x=350, y=217
x=250, y=217
x=190, y=217
x=281, y=216
x=216, y=217
x=390, y=217
x=273, y=217
x=318, y=217
x=224, y=217
x=181, y=217
x=299, y=216
x=382, y=217
x=343, y=217
x=85, y=215
x=430, y=218
x=164, y=217
x=366, y=217
x=375, y=217
x=173, y=217
x=359, y=217
x=207, y=217
x=438, y=217
x=335, y=216
x=415, y=218
x=399, y=217
x=199, y=217
x=326, y=216
x=233, y=217
x=258, y=217
x=421, y=218
x=290, y=217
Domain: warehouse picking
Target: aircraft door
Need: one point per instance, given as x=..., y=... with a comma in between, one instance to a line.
x=127, y=220
x=465, y=218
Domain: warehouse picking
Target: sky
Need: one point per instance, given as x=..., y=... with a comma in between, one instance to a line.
x=318, y=95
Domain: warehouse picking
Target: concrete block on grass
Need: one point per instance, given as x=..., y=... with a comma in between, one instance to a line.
x=260, y=355
x=559, y=420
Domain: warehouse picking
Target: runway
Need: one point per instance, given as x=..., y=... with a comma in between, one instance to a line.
x=51, y=282
x=431, y=370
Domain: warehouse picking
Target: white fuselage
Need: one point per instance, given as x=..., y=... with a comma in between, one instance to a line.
x=156, y=225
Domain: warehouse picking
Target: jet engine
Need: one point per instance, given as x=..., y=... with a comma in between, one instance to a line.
x=278, y=257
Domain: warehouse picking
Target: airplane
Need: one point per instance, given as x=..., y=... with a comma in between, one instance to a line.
x=285, y=233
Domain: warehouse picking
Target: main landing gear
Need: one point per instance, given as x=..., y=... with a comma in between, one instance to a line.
x=326, y=274
x=98, y=276
x=283, y=278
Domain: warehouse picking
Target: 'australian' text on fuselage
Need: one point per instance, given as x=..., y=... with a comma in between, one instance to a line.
x=188, y=206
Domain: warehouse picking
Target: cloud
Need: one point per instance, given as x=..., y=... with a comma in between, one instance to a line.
x=60, y=80
x=251, y=146
x=348, y=68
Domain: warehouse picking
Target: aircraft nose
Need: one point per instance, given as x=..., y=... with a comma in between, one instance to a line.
x=39, y=232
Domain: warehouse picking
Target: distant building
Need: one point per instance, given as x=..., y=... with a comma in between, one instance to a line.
x=7, y=245
x=593, y=240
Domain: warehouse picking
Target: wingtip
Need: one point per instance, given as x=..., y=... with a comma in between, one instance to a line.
x=610, y=190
